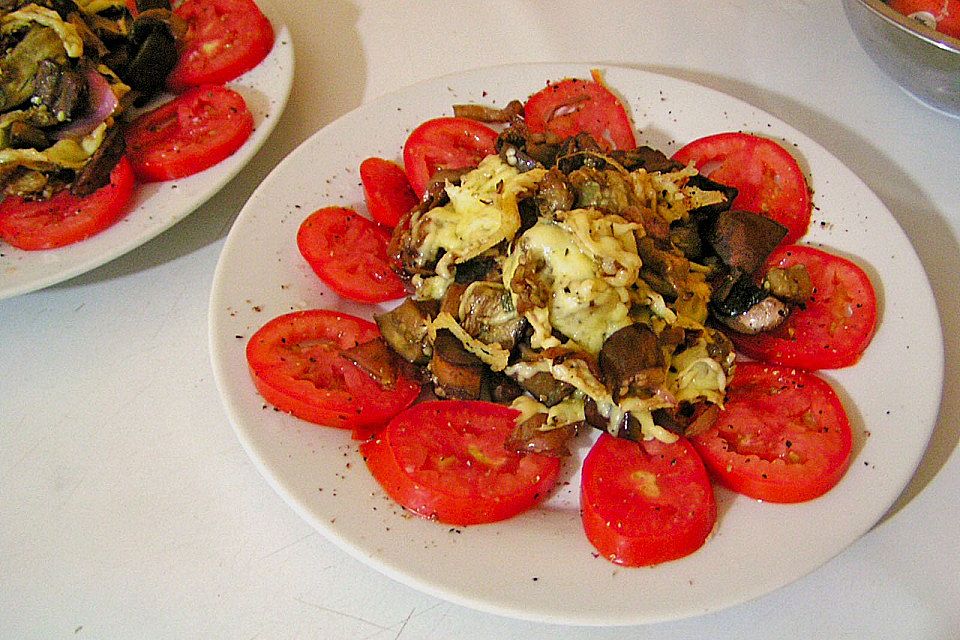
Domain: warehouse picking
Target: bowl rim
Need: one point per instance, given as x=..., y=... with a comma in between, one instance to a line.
x=912, y=26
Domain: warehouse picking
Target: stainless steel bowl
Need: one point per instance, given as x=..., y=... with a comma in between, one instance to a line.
x=924, y=62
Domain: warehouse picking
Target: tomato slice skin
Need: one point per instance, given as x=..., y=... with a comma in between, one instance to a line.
x=188, y=134
x=769, y=179
x=387, y=190
x=65, y=218
x=295, y=363
x=225, y=38
x=349, y=253
x=446, y=460
x=573, y=106
x=645, y=503
x=783, y=435
x=445, y=143
x=833, y=329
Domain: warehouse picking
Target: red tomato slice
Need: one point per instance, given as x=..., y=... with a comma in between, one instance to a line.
x=192, y=132
x=769, y=180
x=387, y=190
x=446, y=460
x=833, y=329
x=349, y=253
x=225, y=38
x=942, y=15
x=296, y=366
x=445, y=143
x=645, y=503
x=66, y=218
x=574, y=106
x=783, y=435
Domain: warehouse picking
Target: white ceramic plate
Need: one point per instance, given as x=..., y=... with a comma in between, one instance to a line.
x=159, y=206
x=539, y=566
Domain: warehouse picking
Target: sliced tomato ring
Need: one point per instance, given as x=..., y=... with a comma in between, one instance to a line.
x=783, y=435
x=573, y=106
x=769, y=179
x=225, y=38
x=188, y=134
x=833, y=329
x=446, y=460
x=65, y=218
x=387, y=190
x=645, y=503
x=445, y=143
x=296, y=364
x=349, y=253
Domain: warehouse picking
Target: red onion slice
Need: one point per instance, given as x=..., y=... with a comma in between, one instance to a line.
x=101, y=103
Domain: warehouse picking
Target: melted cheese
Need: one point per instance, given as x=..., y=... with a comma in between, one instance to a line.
x=583, y=305
x=482, y=212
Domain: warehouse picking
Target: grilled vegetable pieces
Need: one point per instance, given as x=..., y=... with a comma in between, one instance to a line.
x=69, y=69
x=579, y=284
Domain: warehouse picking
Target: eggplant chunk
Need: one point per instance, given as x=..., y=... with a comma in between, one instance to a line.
x=545, y=388
x=405, y=329
x=530, y=437
x=457, y=373
x=632, y=362
x=375, y=359
x=744, y=240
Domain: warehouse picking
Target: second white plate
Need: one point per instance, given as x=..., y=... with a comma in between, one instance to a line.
x=158, y=206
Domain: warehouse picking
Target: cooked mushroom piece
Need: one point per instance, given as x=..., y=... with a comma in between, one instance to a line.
x=405, y=329
x=744, y=240
x=487, y=313
x=766, y=315
x=746, y=308
x=632, y=362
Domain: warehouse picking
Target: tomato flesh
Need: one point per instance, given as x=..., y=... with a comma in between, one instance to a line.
x=349, y=253
x=445, y=143
x=225, y=38
x=446, y=460
x=192, y=132
x=65, y=218
x=574, y=106
x=296, y=364
x=833, y=329
x=768, y=178
x=387, y=190
x=783, y=435
x=645, y=503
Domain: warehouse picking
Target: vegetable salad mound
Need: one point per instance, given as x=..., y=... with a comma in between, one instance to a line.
x=570, y=282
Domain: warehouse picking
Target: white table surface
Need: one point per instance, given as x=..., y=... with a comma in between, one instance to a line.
x=128, y=508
